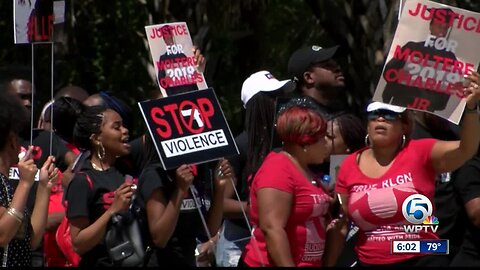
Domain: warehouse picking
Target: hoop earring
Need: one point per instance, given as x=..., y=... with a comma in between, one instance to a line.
x=404, y=140
x=367, y=142
x=101, y=152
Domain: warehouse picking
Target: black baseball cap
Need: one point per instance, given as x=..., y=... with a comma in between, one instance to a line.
x=302, y=58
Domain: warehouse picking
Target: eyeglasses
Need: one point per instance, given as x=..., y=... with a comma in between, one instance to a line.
x=386, y=114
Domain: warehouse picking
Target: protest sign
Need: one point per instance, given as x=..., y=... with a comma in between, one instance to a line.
x=172, y=54
x=188, y=128
x=335, y=162
x=434, y=46
x=33, y=21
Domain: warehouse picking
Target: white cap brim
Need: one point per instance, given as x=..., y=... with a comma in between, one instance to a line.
x=384, y=106
x=263, y=81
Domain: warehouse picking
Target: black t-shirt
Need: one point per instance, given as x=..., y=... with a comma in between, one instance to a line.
x=85, y=200
x=238, y=163
x=467, y=186
x=180, y=249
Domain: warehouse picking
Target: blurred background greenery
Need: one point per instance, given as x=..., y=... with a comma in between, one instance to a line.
x=104, y=45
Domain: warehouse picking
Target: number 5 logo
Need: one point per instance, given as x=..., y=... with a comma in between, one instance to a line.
x=416, y=208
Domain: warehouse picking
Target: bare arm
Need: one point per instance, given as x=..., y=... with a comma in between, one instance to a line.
x=336, y=233
x=162, y=213
x=232, y=207
x=53, y=220
x=85, y=236
x=449, y=156
x=222, y=175
x=274, y=208
x=8, y=222
x=48, y=173
x=473, y=211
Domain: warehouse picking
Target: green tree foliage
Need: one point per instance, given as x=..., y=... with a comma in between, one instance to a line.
x=104, y=45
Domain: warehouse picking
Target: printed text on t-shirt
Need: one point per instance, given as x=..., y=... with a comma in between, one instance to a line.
x=390, y=182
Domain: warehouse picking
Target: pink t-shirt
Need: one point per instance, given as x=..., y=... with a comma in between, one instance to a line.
x=306, y=225
x=375, y=204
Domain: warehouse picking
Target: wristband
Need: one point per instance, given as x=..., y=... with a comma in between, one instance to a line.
x=14, y=213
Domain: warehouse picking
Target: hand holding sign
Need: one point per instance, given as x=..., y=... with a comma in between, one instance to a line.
x=223, y=172
x=123, y=195
x=27, y=168
x=48, y=173
x=199, y=59
x=184, y=177
x=472, y=91
x=178, y=64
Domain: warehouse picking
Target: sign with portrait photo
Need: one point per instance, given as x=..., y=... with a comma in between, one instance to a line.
x=38, y=21
x=172, y=53
x=434, y=46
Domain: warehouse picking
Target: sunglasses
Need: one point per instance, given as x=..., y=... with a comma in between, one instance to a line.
x=386, y=114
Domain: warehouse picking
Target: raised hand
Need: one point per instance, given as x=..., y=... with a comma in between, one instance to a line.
x=199, y=59
x=472, y=90
x=27, y=168
x=123, y=196
x=48, y=172
x=184, y=177
x=223, y=171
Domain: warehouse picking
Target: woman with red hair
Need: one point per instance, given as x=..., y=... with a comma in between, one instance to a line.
x=289, y=209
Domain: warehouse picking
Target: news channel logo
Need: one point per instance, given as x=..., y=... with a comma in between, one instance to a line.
x=417, y=209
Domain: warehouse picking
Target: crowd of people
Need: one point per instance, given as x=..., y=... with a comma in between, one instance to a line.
x=277, y=203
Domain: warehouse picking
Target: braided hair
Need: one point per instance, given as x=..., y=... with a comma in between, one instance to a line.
x=89, y=122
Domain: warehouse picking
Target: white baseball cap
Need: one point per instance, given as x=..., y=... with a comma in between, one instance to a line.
x=384, y=106
x=262, y=81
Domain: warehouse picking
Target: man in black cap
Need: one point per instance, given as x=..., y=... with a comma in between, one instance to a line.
x=319, y=76
x=401, y=94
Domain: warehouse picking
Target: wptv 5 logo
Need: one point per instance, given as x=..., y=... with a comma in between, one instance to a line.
x=417, y=209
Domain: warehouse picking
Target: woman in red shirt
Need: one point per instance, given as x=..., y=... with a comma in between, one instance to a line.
x=375, y=181
x=288, y=208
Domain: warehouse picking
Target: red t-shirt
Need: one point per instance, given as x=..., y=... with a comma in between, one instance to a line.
x=306, y=225
x=375, y=204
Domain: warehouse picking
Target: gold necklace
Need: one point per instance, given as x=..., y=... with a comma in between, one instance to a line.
x=96, y=167
x=305, y=173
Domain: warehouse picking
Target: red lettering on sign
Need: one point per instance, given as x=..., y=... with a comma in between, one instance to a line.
x=191, y=116
x=157, y=114
x=206, y=110
x=172, y=108
x=419, y=103
x=171, y=30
